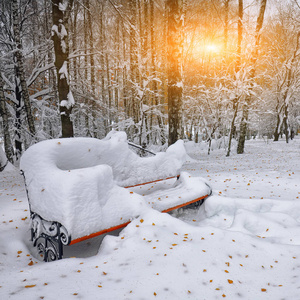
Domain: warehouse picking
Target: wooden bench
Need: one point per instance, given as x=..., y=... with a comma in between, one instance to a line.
x=81, y=188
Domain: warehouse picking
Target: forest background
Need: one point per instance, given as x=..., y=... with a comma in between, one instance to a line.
x=199, y=70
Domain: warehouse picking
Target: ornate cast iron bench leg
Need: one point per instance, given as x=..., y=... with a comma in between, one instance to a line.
x=49, y=237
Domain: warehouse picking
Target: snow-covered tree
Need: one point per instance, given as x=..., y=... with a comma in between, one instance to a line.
x=174, y=54
x=61, y=10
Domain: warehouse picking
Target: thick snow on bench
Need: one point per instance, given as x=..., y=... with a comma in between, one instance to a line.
x=76, y=181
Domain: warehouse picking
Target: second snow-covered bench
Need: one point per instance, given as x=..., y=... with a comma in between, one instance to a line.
x=77, y=188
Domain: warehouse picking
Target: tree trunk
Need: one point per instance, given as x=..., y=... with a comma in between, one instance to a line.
x=20, y=67
x=133, y=62
x=245, y=115
x=117, y=71
x=74, y=41
x=226, y=11
x=278, y=120
x=232, y=127
x=85, y=79
x=109, y=88
x=18, y=122
x=153, y=56
x=240, y=35
x=9, y=151
x=235, y=103
x=174, y=70
x=286, y=125
x=286, y=96
x=91, y=45
x=60, y=16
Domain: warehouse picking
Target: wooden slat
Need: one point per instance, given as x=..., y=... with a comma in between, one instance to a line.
x=184, y=204
x=98, y=233
x=144, y=183
x=125, y=224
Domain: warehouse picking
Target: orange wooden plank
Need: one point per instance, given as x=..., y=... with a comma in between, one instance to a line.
x=144, y=183
x=125, y=224
x=184, y=204
x=98, y=233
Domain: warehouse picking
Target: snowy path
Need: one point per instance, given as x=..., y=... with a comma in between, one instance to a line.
x=244, y=243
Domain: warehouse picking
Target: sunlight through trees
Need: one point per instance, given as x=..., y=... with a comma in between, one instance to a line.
x=223, y=70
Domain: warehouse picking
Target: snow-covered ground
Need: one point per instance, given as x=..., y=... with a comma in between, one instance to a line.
x=243, y=243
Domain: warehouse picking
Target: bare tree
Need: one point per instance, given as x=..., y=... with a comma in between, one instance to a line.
x=287, y=86
x=254, y=57
x=235, y=101
x=20, y=66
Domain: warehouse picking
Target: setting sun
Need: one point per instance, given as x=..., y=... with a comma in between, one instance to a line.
x=213, y=48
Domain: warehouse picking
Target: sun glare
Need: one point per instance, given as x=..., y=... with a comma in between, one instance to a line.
x=209, y=49
x=212, y=48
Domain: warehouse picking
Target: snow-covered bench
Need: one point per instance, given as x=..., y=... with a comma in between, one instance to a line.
x=76, y=188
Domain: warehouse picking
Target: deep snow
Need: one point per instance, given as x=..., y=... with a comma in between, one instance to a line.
x=79, y=182
x=243, y=243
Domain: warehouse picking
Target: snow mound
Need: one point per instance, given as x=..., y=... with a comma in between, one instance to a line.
x=76, y=181
x=274, y=220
